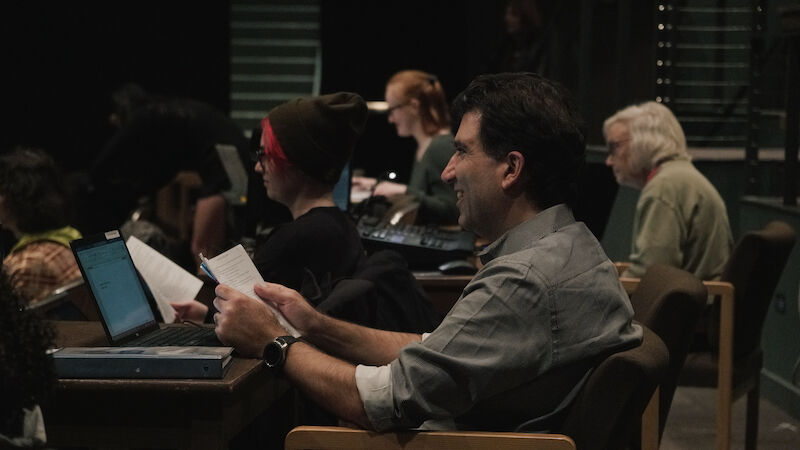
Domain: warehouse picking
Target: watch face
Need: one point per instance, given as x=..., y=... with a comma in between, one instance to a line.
x=273, y=353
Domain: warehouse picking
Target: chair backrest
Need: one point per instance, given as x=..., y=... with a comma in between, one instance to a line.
x=669, y=301
x=609, y=407
x=340, y=438
x=68, y=302
x=754, y=268
x=404, y=211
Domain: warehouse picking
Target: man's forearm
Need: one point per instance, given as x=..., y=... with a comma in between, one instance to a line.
x=328, y=381
x=356, y=343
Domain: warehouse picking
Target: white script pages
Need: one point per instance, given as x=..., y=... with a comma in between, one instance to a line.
x=236, y=269
x=167, y=281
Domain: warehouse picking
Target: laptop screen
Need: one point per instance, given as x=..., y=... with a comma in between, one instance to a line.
x=108, y=269
x=341, y=191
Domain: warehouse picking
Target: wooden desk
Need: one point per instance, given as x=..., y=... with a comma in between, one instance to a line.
x=154, y=413
x=443, y=290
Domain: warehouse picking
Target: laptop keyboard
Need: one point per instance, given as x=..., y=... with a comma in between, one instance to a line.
x=177, y=336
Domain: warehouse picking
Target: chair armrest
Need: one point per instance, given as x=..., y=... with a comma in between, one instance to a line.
x=725, y=291
x=630, y=284
x=311, y=438
x=42, y=307
x=56, y=298
x=650, y=422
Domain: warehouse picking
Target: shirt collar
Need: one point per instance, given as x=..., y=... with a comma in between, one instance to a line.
x=533, y=229
x=653, y=172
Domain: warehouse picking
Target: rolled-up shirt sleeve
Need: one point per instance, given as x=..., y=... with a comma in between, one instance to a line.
x=375, y=389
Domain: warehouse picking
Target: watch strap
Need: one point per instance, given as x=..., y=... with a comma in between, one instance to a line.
x=288, y=340
x=283, y=343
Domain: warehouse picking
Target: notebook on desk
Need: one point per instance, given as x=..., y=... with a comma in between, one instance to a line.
x=122, y=304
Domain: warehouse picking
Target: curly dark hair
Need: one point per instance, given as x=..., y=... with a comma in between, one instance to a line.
x=27, y=373
x=34, y=190
x=537, y=117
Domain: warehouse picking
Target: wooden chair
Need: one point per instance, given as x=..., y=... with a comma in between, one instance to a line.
x=724, y=292
x=669, y=301
x=333, y=438
x=754, y=269
x=733, y=365
x=603, y=415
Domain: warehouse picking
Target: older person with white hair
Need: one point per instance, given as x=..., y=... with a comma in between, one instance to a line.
x=680, y=218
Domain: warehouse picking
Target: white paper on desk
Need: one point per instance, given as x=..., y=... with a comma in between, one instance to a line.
x=237, y=270
x=167, y=281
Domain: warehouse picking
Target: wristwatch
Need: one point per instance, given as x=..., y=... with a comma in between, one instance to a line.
x=275, y=352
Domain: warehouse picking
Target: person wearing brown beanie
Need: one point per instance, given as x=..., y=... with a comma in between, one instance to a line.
x=305, y=144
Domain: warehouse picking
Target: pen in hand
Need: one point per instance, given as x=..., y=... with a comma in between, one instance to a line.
x=204, y=266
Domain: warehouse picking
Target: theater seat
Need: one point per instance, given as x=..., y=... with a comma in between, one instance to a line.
x=603, y=416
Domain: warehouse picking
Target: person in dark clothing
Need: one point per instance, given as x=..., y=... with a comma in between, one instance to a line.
x=157, y=138
x=305, y=144
x=538, y=36
x=27, y=374
x=311, y=252
x=522, y=48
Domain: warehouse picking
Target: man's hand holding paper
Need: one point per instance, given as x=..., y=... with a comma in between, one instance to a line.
x=235, y=269
x=290, y=303
x=244, y=322
x=248, y=324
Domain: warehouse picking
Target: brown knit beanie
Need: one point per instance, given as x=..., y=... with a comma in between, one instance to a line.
x=318, y=134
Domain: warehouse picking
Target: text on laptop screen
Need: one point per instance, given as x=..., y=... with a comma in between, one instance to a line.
x=113, y=279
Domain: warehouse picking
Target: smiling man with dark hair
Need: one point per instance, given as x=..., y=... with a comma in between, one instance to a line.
x=544, y=309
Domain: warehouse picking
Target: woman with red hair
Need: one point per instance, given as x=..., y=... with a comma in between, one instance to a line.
x=305, y=144
x=418, y=108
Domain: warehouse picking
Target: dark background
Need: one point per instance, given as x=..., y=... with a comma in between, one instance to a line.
x=62, y=60
x=365, y=43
